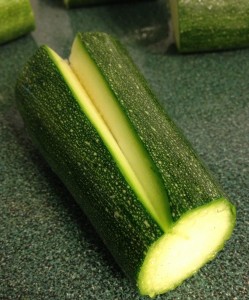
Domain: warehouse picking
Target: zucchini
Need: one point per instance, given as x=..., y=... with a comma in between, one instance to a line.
x=210, y=25
x=103, y=132
x=16, y=19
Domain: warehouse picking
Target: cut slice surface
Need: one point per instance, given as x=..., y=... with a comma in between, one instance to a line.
x=193, y=241
x=122, y=142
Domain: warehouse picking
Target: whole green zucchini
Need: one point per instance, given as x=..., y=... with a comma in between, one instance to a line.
x=210, y=24
x=16, y=19
x=103, y=132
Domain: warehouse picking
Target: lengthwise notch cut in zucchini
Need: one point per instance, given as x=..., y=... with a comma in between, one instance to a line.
x=102, y=109
x=120, y=137
x=95, y=120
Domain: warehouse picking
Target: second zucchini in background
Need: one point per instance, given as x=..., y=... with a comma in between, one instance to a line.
x=210, y=25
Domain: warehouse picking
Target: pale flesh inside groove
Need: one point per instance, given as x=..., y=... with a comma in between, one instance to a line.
x=186, y=245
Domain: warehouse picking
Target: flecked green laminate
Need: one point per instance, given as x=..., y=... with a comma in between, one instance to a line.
x=16, y=19
x=205, y=25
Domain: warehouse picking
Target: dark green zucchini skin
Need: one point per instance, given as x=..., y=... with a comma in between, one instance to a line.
x=213, y=25
x=188, y=182
x=74, y=150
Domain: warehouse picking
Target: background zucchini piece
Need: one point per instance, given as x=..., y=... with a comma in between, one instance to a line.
x=16, y=19
x=157, y=260
x=210, y=25
x=204, y=219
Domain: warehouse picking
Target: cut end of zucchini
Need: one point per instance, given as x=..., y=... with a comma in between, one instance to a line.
x=175, y=21
x=193, y=241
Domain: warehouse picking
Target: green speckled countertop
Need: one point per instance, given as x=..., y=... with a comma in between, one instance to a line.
x=48, y=249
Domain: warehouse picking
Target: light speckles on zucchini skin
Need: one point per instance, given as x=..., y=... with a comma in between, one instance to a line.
x=77, y=155
x=212, y=25
x=187, y=181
